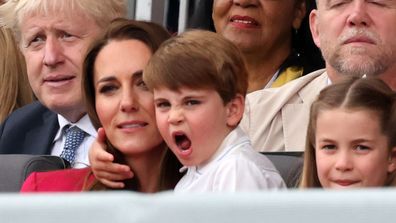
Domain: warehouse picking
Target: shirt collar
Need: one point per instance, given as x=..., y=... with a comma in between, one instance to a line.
x=84, y=124
x=233, y=140
x=272, y=80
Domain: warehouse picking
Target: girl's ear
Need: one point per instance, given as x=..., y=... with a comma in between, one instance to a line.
x=392, y=160
x=235, y=110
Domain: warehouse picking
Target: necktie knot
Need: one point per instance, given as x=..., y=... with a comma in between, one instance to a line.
x=74, y=138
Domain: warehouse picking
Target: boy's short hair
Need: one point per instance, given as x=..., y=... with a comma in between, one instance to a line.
x=198, y=59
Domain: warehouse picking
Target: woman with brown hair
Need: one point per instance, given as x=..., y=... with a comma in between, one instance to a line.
x=119, y=102
x=15, y=89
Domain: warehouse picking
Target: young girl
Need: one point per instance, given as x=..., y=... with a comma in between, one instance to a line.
x=351, y=136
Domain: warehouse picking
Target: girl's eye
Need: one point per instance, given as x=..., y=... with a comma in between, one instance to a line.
x=329, y=147
x=362, y=148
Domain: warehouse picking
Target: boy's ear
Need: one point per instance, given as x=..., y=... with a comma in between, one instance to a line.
x=392, y=160
x=235, y=109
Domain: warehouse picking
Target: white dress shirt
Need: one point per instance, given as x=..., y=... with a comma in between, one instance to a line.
x=84, y=124
x=234, y=167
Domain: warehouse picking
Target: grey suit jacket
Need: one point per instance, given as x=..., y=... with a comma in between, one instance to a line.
x=29, y=130
x=276, y=119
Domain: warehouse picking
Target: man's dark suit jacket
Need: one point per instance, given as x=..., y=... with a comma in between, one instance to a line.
x=29, y=130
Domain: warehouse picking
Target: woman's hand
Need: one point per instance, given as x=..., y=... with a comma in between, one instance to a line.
x=107, y=172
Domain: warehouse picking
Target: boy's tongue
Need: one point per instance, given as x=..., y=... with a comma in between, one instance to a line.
x=183, y=142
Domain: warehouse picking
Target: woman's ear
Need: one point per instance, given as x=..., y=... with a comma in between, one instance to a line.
x=392, y=160
x=299, y=14
x=235, y=109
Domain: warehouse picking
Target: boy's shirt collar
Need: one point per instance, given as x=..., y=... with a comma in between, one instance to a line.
x=234, y=139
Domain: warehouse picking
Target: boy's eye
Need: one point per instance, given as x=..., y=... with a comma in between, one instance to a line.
x=192, y=102
x=162, y=104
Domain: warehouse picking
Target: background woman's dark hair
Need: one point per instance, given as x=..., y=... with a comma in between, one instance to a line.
x=304, y=51
x=123, y=29
x=302, y=43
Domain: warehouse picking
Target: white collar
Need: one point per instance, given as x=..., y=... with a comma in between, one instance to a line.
x=234, y=139
x=84, y=124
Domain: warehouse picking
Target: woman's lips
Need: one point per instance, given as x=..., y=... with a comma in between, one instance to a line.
x=132, y=125
x=243, y=21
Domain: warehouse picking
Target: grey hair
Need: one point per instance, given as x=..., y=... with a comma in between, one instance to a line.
x=102, y=12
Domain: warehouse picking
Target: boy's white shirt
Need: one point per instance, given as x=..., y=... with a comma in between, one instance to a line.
x=234, y=167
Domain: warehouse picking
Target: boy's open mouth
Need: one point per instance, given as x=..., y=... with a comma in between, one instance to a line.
x=182, y=141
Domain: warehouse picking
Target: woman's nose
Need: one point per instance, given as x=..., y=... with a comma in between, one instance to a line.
x=128, y=102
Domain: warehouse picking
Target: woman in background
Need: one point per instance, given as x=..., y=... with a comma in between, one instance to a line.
x=15, y=90
x=268, y=34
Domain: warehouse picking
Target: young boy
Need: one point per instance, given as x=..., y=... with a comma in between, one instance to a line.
x=199, y=83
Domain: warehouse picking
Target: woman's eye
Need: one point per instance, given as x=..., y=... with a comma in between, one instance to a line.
x=107, y=89
x=142, y=85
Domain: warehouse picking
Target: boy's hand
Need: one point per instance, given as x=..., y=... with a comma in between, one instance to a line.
x=102, y=165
